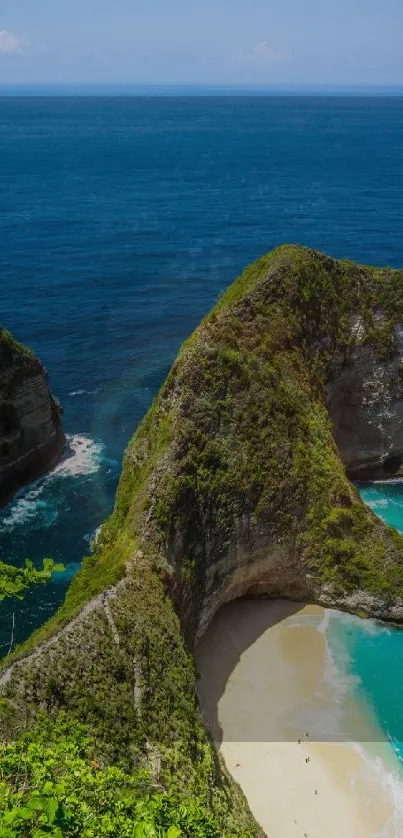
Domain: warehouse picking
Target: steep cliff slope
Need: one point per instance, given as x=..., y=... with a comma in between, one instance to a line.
x=31, y=436
x=233, y=484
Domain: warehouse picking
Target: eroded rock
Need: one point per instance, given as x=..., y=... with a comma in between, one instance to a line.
x=31, y=435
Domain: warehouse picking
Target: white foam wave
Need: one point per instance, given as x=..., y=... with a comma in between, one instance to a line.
x=337, y=676
x=27, y=508
x=97, y=534
x=92, y=537
x=382, y=765
x=376, y=504
x=366, y=626
x=382, y=770
x=84, y=392
x=326, y=717
x=324, y=623
x=83, y=457
x=393, y=481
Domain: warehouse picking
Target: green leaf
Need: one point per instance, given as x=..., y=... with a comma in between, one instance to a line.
x=25, y=813
x=7, y=833
x=37, y=803
x=51, y=809
x=144, y=830
x=48, y=787
x=9, y=817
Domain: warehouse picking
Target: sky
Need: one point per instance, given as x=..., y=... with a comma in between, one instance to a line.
x=238, y=42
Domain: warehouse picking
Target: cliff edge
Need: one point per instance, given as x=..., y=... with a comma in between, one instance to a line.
x=236, y=482
x=31, y=435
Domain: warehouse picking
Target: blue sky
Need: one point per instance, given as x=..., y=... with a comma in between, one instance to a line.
x=355, y=42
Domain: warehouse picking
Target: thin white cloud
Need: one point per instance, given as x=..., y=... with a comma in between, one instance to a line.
x=12, y=44
x=261, y=55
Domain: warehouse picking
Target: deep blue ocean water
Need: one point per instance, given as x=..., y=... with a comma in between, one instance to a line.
x=122, y=220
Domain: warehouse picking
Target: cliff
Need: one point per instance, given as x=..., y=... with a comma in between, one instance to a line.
x=31, y=436
x=235, y=483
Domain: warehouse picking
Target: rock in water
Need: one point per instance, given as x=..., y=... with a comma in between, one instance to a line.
x=31, y=435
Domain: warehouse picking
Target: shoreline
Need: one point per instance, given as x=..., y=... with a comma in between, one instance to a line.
x=289, y=726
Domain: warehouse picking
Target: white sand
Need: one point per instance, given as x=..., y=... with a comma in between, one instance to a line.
x=264, y=686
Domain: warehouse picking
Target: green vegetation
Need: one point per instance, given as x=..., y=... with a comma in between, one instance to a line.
x=10, y=346
x=163, y=726
x=235, y=459
x=51, y=784
x=255, y=437
x=14, y=581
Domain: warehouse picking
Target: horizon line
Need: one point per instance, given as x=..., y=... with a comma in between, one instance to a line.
x=209, y=88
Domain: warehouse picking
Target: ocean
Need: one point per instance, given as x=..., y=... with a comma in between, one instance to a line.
x=122, y=220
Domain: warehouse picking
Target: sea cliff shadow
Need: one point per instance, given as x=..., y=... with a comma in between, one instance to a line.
x=220, y=649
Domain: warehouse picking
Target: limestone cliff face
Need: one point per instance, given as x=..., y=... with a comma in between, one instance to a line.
x=31, y=436
x=235, y=483
x=365, y=401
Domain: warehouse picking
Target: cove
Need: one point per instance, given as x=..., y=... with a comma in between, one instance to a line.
x=311, y=698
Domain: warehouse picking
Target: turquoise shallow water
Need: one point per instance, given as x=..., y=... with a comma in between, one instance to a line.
x=370, y=657
x=371, y=652
x=386, y=500
x=367, y=665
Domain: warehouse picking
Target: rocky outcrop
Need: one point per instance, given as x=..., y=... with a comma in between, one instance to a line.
x=31, y=435
x=365, y=401
x=235, y=483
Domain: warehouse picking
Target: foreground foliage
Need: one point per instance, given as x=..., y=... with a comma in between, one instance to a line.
x=15, y=581
x=51, y=785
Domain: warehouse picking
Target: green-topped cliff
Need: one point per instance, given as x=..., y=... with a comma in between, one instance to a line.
x=235, y=483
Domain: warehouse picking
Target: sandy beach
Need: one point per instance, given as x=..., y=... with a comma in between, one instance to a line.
x=286, y=730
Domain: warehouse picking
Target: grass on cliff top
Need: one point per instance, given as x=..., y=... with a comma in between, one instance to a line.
x=263, y=351
x=256, y=436
x=9, y=346
x=117, y=543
